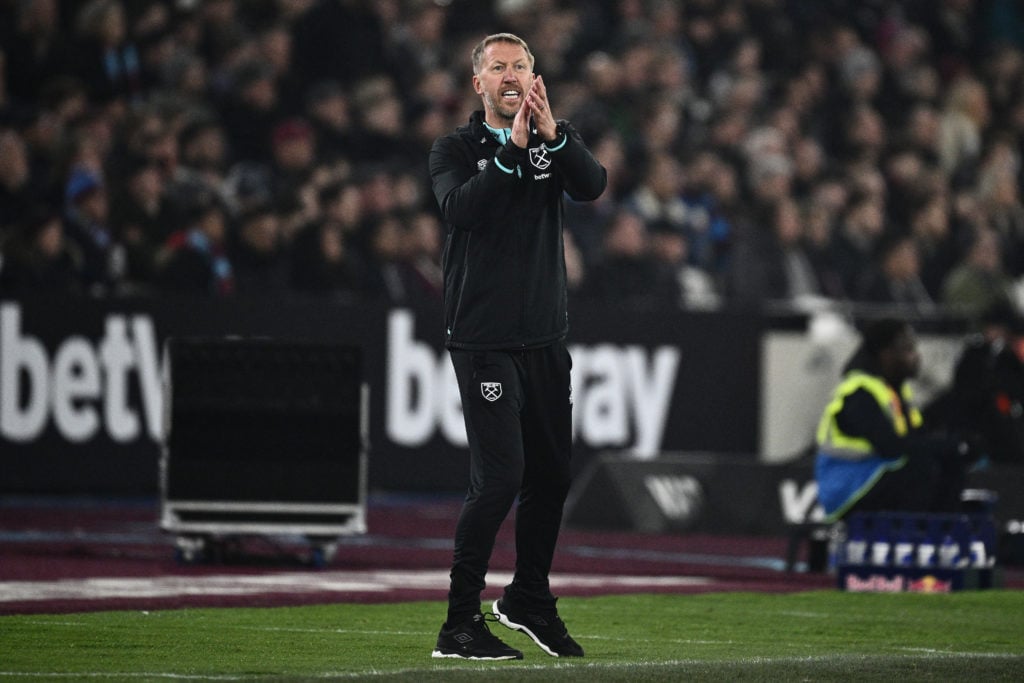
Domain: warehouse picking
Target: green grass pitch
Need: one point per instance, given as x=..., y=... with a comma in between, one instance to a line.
x=812, y=636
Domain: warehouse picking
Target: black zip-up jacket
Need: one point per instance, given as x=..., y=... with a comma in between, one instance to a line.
x=504, y=268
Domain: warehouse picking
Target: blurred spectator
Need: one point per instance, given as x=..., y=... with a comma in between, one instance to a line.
x=36, y=258
x=247, y=184
x=323, y=264
x=661, y=128
x=275, y=47
x=955, y=31
x=669, y=249
x=152, y=137
x=861, y=76
x=382, y=135
x=258, y=257
x=45, y=131
x=202, y=146
x=250, y=111
x=377, y=197
x=908, y=77
x=867, y=177
x=628, y=274
x=339, y=41
x=894, y=278
x=87, y=223
x=417, y=46
x=906, y=179
x=223, y=38
x=771, y=263
x=603, y=112
x=1003, y=69
x=712, y=196
x=738, y=83
x=424, y=256
x=584, y=219
x=36, y=51
x=148, y=27
x=808, y=166
x=860, y=227
x=922, y=133
x=987, y=393
x=999, y=198
x=291, y=174
x=658, y=198
x=769, y=170
x=931, y=227
x=865, y=135
x=979, y=282
x=194, y=259
x=18, y=193
x=964, y=117
x=387, y=275
x=187, y=76
x=139, y=220
x=107, y=59
x=819, y=220
x=322, y=260
x=329, y=113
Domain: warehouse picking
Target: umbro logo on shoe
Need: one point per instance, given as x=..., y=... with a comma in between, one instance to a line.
x=471, y=639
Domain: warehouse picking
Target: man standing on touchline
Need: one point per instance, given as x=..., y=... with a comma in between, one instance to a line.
x=499, y=182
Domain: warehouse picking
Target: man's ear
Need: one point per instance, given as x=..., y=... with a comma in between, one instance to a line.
x=476, y=85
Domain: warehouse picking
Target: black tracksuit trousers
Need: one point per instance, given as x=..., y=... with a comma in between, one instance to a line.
x=518, y=411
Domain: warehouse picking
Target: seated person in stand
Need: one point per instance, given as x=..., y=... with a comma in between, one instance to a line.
x=987, y=396
x=873, y=452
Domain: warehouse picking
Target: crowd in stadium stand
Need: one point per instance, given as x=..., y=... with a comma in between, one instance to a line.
x=757, y=150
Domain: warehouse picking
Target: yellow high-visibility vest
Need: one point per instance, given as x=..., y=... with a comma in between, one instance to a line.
x=834, y=442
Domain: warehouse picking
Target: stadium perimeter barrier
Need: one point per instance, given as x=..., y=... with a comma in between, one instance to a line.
x=82, y=404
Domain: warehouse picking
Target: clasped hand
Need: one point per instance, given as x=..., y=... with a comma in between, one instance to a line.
x=535, y=104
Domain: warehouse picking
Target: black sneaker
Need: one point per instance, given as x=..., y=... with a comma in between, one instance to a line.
x=472, y=639
x=544, y=626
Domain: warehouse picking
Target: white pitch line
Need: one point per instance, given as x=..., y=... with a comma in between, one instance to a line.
x=301, y=583
x=342, y=631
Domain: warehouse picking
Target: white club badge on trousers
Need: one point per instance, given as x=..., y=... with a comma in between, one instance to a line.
x=491, y=390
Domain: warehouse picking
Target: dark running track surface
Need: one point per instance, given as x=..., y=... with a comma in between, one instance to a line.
x=59, y=555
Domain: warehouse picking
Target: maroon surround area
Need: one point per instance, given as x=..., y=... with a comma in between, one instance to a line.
x=51, y=540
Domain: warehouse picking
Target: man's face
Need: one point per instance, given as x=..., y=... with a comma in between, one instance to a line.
x=902, y=357
x=504, y=79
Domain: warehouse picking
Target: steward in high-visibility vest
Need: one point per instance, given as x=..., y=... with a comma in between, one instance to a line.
x=873, y=453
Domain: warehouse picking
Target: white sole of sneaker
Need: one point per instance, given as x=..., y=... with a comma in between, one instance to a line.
x=437, y=654
x=505, y=621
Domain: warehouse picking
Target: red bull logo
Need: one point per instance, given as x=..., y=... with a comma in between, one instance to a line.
x=874, y=583
x=930, y=584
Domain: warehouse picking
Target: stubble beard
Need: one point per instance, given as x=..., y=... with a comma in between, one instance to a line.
x=500, y=109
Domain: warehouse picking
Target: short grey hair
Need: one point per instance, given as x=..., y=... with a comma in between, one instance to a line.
x=478, y=51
